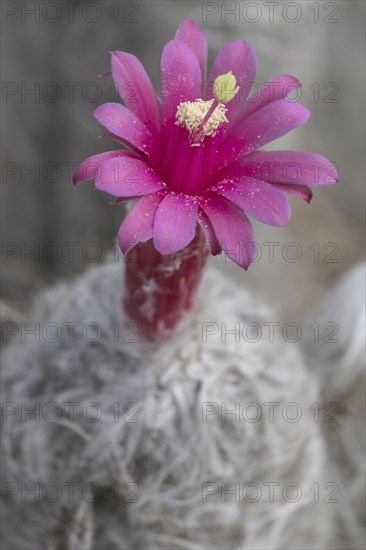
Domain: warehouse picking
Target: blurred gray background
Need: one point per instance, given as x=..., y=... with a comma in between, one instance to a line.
x=57, y=50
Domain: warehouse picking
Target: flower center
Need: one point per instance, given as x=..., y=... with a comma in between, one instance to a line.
x=201, y=118
x=190, y=157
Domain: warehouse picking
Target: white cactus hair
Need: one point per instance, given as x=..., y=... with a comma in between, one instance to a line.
x=171, y=451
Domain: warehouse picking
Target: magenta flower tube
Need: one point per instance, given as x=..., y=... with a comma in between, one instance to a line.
x=160, y=290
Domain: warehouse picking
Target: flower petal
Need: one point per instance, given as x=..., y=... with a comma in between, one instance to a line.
x=138, y=224
x=258, y=199
x=134, y=151
x=175, y=223
x=240, y=58
x=181, y=77
x=232, y=228
x=135, y=88
x=125, y=125
x=127, y=177
x=289, y=167
x=91, y=166
x=209, y=232
x=190, y=33
x=279, y=87
x=273, y=121
x=300, y=191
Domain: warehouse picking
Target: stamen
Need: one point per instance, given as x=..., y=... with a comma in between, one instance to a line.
x=192, y=115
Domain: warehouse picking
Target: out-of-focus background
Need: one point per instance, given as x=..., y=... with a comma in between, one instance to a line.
x=52, y=54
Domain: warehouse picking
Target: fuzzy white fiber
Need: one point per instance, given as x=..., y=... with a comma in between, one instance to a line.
x=171, y=457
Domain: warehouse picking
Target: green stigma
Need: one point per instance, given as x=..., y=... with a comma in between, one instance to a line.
x=225, y=87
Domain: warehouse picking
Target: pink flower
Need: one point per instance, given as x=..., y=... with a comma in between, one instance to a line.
x=195, y=156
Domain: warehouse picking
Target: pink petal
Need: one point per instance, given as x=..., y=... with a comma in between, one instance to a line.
x=130, y=177
x=258, y=199
x=211, y=238
x=135, y=88
x=181, y=77
x=240, y=58
x=300, y=191
x=232, y=228
x=175, y=223
x=138, y=224
x=273, y=121
x=132, y=149
x=295, y=167
x=279, y=87
x=190, y=33
x=125, y=125
x=90, y=167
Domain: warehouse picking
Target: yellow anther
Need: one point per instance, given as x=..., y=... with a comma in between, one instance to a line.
x=225, y=87
x=191, y=114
